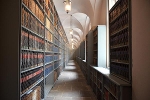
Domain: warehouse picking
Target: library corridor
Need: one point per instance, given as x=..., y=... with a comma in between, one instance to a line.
x=71, y=85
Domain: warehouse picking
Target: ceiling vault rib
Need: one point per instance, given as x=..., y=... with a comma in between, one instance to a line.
x=78, y=21
x=85, y=26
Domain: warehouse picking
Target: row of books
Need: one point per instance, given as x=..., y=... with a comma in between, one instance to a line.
x=48, y=58
x=49, y=4
x=56, y=41
x=41, y=3
x=35, y=9
x=49, y=25
x=48, y=69
x=56, y=49
x=120, y=39
x=95, y=33
x=121, y=22
x=95, y=40
x=28, y=79
x=99, y=76
x=56, y=64
x=95, y=61
x=99, y=84
x=49, y=13
x=48, y=35
x=106, y=94
x=123, y=5
x=111, y=86
x=120, y=54
x=122, y=70
x=31, y=59
x=29, y=21
x=31, y=41
x=35, y=94
x=48, y=46
x=99, y=95
x=57, y=56
x=56, y=34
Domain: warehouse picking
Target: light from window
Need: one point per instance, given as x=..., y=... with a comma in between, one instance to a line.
x=111, y=3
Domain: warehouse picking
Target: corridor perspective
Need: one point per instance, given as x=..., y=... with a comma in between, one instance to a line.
x=71, y=85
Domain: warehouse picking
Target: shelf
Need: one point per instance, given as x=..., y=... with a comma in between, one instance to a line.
x=116, y=4
x=101, y=70
x=49, y=18
x=31, y=31
x=100, y=81
x=31, y=68
x=30, y=89
x=121, y=46
x=48, y=41
x=56, y=52
x=58, y=66
x=56, y=45
x=119, y=15
x=49, y=63
x=42, y=8
x=110, y=92
x=121, y=29
x=49, y=30
x=121, y=62
x=48, y=74
x=32, y=13
x=48, y=51
x=57, y=60
x=121, y=77
x=32, y=50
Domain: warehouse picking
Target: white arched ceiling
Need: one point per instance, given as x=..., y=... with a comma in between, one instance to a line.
x=72, y=23
x=76, y=32
x=76, y=37
x=85, y=14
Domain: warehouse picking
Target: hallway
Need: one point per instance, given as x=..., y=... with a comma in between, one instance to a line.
x=71, y=85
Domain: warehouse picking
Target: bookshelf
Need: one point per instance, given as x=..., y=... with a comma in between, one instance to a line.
x=99, y=46
x=89, y=53
x=34, y=52
x=108, y=87
x=120, y=40
x=84, y=68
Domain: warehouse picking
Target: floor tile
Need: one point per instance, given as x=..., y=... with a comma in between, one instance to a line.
x=71, y=85
x=77, y=98
x=49, y=98
x=86, y=93
x=63, y=98
x=54, y=93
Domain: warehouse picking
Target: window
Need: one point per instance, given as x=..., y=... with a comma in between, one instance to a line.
x=111, y=3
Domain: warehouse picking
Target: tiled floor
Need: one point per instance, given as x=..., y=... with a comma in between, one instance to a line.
x=71, y=85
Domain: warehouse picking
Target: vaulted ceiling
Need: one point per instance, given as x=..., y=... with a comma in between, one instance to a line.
x=84, y=14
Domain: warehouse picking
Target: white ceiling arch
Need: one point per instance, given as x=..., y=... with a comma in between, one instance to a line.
x=85, y=14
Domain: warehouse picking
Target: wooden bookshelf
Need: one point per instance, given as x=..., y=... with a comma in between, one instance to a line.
x=120, y=40
x=108, y=87
x=99, y=46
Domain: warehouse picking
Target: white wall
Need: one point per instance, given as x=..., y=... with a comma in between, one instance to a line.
x=100, y=13
x=141, y=49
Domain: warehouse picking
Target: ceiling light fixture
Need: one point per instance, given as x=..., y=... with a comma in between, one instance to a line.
x=67, y=5
x=71, y=39
x=71, y=30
